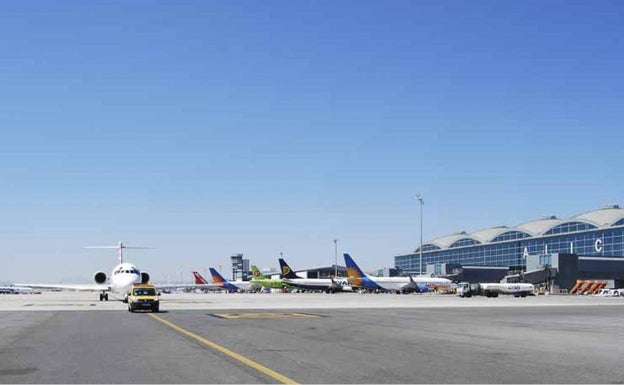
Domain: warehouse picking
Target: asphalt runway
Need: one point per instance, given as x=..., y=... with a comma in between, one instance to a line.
x=59, y=338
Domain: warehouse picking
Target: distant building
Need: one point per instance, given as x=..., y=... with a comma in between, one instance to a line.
x=320, y=272
x=388, y=272
x=240, y=268
x=594, y=234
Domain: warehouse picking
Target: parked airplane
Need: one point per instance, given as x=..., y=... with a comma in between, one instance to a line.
x=123, y=276
x=16, y=290
x=263, y=281
x=235, y=286
x=399, y=285
x=328, y=285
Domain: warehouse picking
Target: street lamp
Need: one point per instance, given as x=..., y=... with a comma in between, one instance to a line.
x=422, y=202
x=335, y=258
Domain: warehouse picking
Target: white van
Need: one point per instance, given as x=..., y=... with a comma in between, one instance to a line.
x=610, y=292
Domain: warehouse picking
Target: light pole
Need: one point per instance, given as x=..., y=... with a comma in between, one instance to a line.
x=422, y=202
x=335, y=258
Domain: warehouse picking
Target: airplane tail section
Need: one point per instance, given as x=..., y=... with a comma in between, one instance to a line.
x=222, y=282
x=286, y=270
x=256, y=272
x=199, y=280
x=216, y=277
x=355, y=275
x=352, y=268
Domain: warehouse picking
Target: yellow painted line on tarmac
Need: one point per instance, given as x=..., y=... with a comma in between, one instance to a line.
x=252, y=364
x=59, y=304
x=263, y=315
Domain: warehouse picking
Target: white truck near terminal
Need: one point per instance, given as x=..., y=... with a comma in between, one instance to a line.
x=467, y=290
x=610, y=293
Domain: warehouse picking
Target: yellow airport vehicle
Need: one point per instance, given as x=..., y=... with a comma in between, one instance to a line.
x=143, y=296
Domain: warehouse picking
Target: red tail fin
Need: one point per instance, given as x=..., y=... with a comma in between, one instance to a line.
x=199, y=279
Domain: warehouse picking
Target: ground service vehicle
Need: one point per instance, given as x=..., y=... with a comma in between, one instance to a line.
x=143, y=296
x=494, y=289
x=610, y=293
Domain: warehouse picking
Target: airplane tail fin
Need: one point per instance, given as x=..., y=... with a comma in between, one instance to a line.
x=217, y=278
x=286, y=270
x=256, y=272
x=355, y=275
x=199, y=280
x=352, y=268
x=222, y=282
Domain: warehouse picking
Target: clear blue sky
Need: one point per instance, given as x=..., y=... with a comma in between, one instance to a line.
x=205, y=129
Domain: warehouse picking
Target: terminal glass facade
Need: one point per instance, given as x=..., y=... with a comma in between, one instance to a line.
x=511, y=248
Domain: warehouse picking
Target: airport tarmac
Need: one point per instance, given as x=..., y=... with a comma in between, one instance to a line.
x=312, y=338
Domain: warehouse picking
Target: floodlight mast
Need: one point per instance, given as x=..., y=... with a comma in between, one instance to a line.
x=335, y=258
x=422, y=202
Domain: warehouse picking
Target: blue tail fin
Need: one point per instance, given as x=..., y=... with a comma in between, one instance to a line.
x=286, y=270
x=355, y=275
x=352, y=268
x=219, y=280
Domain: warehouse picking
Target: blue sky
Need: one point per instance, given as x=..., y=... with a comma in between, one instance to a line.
x=205, y=129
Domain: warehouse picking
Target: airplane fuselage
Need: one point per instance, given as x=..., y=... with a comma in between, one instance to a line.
x=318, y=284
x=266, y=283
x=123, y=277
x=399, y=283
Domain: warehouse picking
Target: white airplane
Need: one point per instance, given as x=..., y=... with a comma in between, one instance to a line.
x=328, y=285
x=123, y=276
x=15, y=290
x=420, y=283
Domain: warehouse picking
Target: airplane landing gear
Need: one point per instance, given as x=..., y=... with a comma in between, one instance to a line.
x=103, y=296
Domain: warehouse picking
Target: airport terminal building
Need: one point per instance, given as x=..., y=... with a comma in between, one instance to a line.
x=598, y=234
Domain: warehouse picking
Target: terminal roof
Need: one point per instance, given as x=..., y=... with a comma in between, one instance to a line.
x=607, y=216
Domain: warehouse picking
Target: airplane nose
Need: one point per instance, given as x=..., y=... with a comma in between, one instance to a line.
x=128, y=281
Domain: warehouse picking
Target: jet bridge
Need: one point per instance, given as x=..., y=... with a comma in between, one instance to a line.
x=563, y=271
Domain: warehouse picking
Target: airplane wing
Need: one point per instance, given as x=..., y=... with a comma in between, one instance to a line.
x=410, y=286
x=188, y=286
x=60, y=286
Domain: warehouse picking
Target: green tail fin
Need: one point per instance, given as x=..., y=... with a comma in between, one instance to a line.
x=255, y=272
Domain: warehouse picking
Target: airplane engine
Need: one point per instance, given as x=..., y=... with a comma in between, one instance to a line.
x=145, y=278
x=99, y=277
